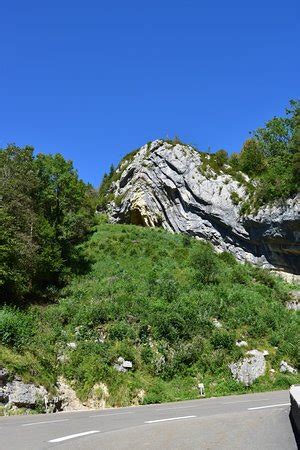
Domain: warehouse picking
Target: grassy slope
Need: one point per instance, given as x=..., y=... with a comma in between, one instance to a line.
x=144, y=294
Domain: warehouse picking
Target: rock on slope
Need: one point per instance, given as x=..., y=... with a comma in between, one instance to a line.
x=174, y=186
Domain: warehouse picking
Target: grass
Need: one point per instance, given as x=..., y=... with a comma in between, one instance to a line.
x=151, y=297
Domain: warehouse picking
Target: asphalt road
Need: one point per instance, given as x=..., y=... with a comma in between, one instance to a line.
x=253, y=421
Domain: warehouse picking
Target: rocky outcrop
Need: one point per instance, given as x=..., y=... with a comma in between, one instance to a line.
x=174, y=186
x=294, y=303
x=247, y=370
x=16, y=394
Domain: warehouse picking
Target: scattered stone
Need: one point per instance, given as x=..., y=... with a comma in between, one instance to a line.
x=216, y=323
x=294, y=303
x=122, y=365
x=247, y=370
x=265, y=353
x=62, y=357
x=72, y=345
x=240, y=343
x=285, y=367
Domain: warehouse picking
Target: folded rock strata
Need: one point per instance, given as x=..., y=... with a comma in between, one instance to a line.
x=166, y=185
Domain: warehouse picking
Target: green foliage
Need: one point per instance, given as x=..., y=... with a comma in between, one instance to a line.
x=235, y=198
x=252, y=158
x=159, y=317
x=204, y=262
x=46, y=212
x=275, y=137
x=222, y=339
x=16, y=327
x=221, y=157
x=279, y=142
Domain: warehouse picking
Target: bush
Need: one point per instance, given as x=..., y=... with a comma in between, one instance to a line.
x=204, y=262
x=252, y=160
x=221, y=158
x=222, y=339
x=235, y=198
x=16, y=327
x=120, y=331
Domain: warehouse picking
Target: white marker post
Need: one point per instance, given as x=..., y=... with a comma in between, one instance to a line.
x=201, y=389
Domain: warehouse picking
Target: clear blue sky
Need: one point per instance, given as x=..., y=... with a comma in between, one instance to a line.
x=97, y=79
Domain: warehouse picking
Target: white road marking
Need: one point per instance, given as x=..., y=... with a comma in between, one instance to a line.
x=177, y=407
x=244, y=401
x=45, y=421
x=269, y=406
x=169, y=419
x=111, y=414
x=72, y=436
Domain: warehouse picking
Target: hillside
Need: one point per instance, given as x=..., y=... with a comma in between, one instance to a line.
x=164, y=302
x=170, y=184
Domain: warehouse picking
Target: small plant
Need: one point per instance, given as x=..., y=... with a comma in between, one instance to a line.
x=235, y=198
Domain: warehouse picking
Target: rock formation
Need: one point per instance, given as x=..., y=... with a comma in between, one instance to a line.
x=247, y=370
x=176, y=187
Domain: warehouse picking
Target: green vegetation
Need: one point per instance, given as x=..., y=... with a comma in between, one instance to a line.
x=160, y=318
x=46, y=211
x=271, y=159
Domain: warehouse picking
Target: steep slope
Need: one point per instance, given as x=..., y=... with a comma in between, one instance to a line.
x=156, y=314
x=182, y=190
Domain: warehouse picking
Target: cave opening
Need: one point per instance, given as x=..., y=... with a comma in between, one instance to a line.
x=136, y=218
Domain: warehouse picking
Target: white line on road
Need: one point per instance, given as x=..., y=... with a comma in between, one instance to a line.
x=244, y=401
x=171, y=418
x=110, y=414
x=268, y=406
x=178, y=407
x=72, y=436
x=45, y=421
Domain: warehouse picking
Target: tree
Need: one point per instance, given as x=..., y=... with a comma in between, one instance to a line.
x=19, y=220
x=295, y=146
x=67, y=207
x=221, y=157
x=252, y=160
x=275, y=137
x=46, y=212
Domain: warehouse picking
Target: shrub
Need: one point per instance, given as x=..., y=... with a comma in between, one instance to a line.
x=16, y=327
x=204, y=262
x=222, y=339
x=252, y=159
x=221, y=157
x=235, y=198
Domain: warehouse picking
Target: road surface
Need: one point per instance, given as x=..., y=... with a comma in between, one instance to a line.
x=252, y=421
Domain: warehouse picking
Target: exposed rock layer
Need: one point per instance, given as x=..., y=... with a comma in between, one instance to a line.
x=166, y=185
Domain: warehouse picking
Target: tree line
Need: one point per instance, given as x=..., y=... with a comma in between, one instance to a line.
x=46, y=211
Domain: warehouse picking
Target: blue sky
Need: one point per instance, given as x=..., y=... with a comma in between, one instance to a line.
x=94, y=80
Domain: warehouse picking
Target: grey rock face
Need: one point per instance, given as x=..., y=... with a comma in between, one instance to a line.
x=247, y=370
x=167, y=185
x=285, y=367
x=294, y=303
x=25, y=395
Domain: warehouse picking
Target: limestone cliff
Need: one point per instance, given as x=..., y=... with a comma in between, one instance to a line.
x=174, y=186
